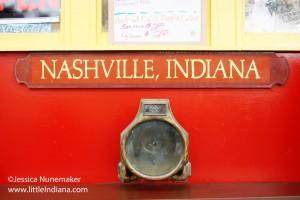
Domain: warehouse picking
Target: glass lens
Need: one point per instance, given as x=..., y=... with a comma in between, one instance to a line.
x=154, y=148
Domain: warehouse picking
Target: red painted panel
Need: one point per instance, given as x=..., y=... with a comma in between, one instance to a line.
x=237, y=135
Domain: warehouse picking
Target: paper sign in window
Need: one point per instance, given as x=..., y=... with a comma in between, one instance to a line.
x=157, y=21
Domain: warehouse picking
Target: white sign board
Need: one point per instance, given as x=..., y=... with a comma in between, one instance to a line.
x=156, y=21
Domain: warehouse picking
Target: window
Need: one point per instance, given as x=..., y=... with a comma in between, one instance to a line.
x=268, y=24
x=149, y=25
x=29, y=16
x=272, y=16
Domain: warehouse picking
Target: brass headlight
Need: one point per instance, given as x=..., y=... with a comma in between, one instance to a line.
x=154, y=146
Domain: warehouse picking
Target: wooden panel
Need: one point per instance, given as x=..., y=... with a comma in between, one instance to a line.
x=168, y=191
x=152, y=70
